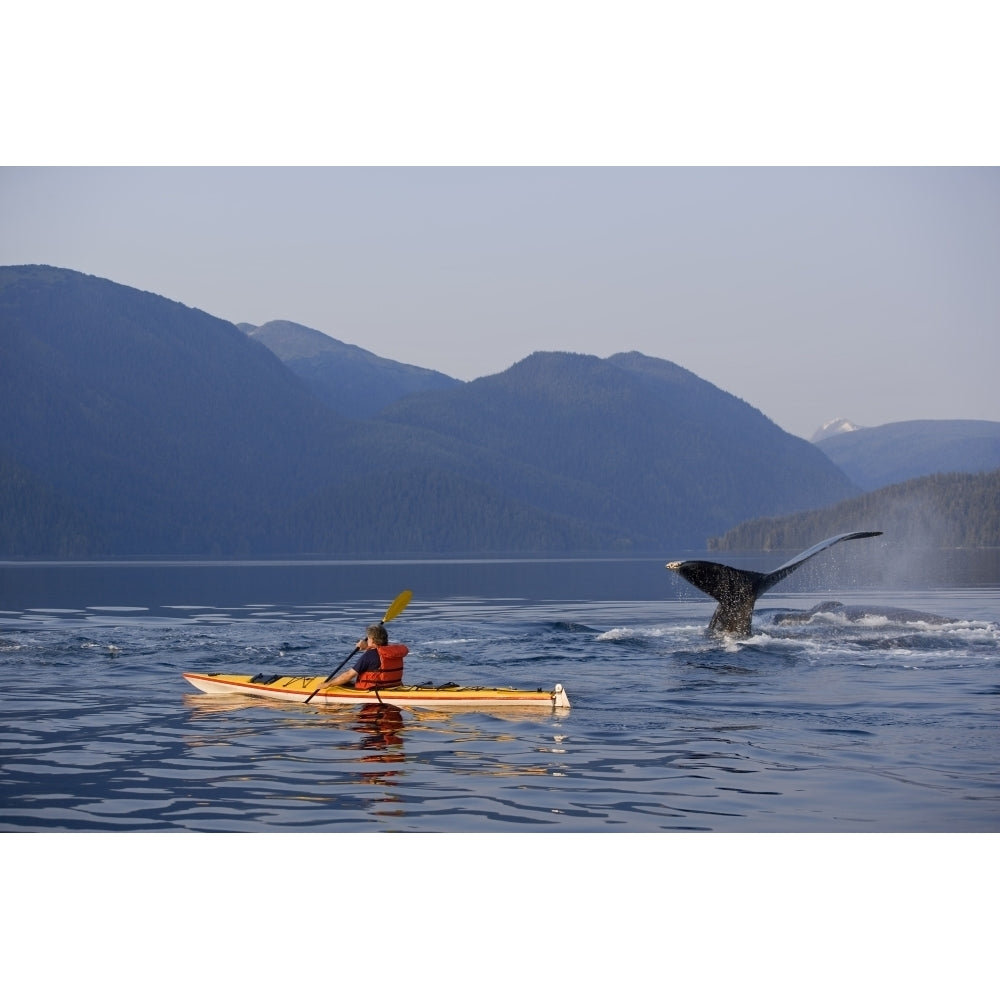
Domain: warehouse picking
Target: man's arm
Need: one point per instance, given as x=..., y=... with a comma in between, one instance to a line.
x=344, y=677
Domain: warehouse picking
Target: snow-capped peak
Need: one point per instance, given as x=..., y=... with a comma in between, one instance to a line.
x=837, y=426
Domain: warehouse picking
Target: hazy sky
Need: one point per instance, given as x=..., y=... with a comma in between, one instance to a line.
x=867, y=293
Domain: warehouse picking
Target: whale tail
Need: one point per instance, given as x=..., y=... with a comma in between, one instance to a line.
x=737, y=590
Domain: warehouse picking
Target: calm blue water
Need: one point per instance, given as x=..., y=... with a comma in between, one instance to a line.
x=828, y=726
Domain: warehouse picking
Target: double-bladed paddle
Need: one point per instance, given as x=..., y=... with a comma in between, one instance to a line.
x=394, y=609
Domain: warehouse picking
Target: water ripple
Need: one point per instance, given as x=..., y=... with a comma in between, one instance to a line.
x=848, y=728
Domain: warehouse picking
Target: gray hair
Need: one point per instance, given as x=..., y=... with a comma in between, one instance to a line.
x=378, y=634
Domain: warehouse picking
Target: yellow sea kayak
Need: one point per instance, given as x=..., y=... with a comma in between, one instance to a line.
x=404, y=696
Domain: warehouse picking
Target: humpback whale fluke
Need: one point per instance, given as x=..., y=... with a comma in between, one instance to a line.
x=737, y=590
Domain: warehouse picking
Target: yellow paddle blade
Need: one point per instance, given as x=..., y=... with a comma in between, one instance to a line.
x=397, y=605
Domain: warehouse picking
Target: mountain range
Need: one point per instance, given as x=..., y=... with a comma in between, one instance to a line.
x=893, y=453
x=133, y=425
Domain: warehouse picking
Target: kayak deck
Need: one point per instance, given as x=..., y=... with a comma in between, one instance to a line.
x=405, y=696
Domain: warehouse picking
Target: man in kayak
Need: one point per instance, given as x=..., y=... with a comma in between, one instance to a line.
x=380, y=666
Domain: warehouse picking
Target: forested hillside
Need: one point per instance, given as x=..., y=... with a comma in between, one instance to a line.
x=133, y=425
x=951, y=510
x=136, y=410
x=36, y=519
x=637, y=443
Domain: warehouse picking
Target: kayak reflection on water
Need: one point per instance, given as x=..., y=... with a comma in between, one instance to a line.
x=380, y=727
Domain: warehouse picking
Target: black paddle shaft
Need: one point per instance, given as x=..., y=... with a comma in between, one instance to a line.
x=350, y=656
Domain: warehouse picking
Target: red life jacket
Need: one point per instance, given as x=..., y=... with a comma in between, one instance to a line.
x=390, y=671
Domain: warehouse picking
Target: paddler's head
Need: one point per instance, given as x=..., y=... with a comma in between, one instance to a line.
x=377, y=635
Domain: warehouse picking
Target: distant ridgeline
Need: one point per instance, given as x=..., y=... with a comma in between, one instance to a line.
x=348, y=379
x=131, y=425
x=951, y=510
x=893, y=453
